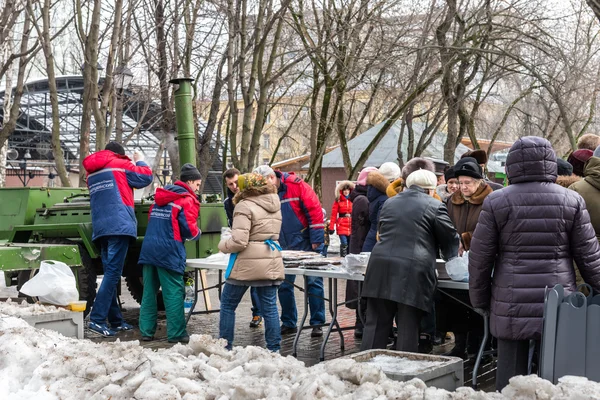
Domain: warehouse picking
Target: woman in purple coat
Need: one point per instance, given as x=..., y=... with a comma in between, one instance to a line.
x=527, y=237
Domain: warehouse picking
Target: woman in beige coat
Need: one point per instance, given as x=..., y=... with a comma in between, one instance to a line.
x=255, y=259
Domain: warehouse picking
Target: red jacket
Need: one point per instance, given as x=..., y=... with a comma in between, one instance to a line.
x=342, y=210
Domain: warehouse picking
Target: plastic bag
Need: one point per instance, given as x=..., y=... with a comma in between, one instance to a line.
x=54, y=284
x=356, y=263
x=458, y=268
x=225, y=233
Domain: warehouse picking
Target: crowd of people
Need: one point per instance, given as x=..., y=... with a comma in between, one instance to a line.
x=539, y=230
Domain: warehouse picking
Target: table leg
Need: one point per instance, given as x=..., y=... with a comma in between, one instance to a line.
x=486, y=336
x=220, y=288
x=332, y=312
x=304, y=314
x=189, y=315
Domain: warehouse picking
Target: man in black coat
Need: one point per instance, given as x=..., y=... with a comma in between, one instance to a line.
x=400, y=279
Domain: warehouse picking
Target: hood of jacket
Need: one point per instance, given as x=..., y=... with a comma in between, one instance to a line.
x=258, y=196
x=358, y=191
x=395, y=187
x=170, y=193
x=97, y=161
x=378, y=181
x=592, y=172
x=340, y=188
x=531, y=159
x=477, y=198
x=566, y=181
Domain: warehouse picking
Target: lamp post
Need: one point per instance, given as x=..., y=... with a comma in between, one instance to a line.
x=122, y=77
x=23, y=167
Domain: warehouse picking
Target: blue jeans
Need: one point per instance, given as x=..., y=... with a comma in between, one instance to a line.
x=255, y=302
x=231, y=297
x=113, y=250
x=343, y=240
x=316, y=292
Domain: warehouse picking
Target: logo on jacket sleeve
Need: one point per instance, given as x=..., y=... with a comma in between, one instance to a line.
x=102, y=185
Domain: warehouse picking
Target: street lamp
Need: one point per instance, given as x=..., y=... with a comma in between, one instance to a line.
x=23, y=167
x=123, y=77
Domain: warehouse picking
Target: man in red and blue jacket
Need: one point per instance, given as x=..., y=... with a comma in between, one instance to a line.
x=111, y=178
x=302, y=228
x=172, y=220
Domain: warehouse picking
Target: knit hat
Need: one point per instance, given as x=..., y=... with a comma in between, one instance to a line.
x=252, y=180
x=597, y=152
x=479, y=155
x=449, y=174
x=264, y=170
x=564, y=168
x=189, y=173
x=115, y=148
x=578, y=159
x=362, y=177
x=422, y=178
x=390, y=171
x=468, y=166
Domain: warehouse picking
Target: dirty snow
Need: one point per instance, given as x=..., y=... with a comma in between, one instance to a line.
x=41, y=364
x=401, y=365
x=22, y=308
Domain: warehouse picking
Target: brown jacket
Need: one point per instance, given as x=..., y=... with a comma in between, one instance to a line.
x=567, y=181
x=256, y=218
x=465, y=213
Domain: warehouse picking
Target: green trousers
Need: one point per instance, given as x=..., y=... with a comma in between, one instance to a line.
x=173, y=293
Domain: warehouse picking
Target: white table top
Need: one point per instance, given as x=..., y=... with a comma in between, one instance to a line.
x=447, y=284
x=332, y=273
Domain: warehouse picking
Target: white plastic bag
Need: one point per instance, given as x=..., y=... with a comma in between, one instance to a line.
x=458, y=268
x=225, y=233
x=356, y=263
x=54, y=284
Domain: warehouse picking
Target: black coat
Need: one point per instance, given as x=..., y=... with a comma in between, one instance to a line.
x=527, y=237
x=413, y=227
x=360, y=227
x=228, y=204
x=376, y=193
x=360, y=218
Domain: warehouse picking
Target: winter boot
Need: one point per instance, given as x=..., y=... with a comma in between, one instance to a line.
x=460, y=346
x=343, y=250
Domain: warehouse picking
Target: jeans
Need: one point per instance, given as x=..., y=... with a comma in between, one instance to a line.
x=113, y=250
x=343, y=240
x=231, y=297
x=316, y=303
x=255, y=302
x=173, y=292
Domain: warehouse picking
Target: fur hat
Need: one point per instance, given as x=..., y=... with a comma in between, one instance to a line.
x=564, y=168
x=343, y=185
x=578, y=159
x=390, y=170
x=362, y=177
x=189, y=173
x=468, y=166
x=479, y=155
x=449, y=174
x=588, y=141
x=416, y=164
x=422, y=178
x=115, y=148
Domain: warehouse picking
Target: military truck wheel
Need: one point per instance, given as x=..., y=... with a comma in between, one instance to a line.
x=135, y=285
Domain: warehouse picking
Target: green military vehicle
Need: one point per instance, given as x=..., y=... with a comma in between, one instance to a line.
x=39, y=224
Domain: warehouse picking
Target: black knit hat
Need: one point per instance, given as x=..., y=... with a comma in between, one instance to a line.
x=115, y=148
x=564, y=168
x=468, y=166
x=189, y=173
x=449, y=174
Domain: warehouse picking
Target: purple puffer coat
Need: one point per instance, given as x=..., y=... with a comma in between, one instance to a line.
x=528, y=235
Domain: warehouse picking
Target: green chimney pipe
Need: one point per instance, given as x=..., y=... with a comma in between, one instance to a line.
x=184, y=116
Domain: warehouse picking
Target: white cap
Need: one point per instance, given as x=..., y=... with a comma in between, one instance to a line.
x=422, y=178
x=391, y=171
x=264, y=170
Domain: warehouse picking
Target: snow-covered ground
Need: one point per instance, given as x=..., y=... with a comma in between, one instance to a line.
x=22, y=308
x=41, y=364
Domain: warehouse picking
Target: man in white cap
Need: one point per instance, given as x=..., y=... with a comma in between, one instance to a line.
x=400, y=280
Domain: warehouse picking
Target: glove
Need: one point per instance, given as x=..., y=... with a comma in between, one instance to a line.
x=484, y=312
x=331, y=231
x=137, y=156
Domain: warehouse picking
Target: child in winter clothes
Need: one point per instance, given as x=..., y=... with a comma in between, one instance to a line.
x=341, y=215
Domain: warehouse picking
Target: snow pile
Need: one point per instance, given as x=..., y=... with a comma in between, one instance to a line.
x=402, y=365
x=42, y=364
x=22, y=309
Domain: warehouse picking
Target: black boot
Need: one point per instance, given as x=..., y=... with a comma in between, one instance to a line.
x=425, y=344
x=460, y=346
x=343, y=250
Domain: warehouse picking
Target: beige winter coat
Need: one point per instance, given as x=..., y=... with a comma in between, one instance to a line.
x=256, y=218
